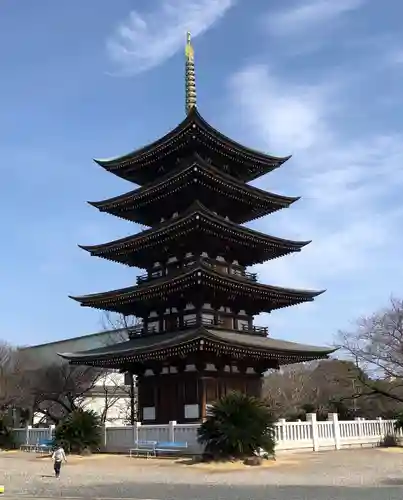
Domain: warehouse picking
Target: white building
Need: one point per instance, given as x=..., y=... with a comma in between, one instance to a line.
x=110, y=396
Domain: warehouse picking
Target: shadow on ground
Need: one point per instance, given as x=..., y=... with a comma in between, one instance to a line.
x=139, y=491
x=393, y=481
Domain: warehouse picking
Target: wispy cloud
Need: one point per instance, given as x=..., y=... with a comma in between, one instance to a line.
x=298, y=112
x=350, y=206
x=307, y=15
x=147, y=39
x=395, y=57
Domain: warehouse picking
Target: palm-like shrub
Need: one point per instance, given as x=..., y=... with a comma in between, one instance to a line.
x=399, y=422
x=238, y=426
x=6, y=435
x=80, y=430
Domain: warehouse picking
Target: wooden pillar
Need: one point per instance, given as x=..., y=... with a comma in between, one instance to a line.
x=215, y=307
x=198, y=310
x=202, y=398
x=250, y=320
x=181, y=312
x=132, y=400
x=161, y=319
x=235, y=310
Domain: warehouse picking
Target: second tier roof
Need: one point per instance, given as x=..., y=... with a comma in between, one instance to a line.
x=197, y=283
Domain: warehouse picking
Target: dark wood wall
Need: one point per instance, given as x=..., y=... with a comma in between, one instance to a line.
x=217, y=387
x=169, y=393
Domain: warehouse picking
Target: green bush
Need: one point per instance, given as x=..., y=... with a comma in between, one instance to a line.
x=80, y=430
x=6, y=434
x=399, y=422
x=389, y=441
x=238, y=426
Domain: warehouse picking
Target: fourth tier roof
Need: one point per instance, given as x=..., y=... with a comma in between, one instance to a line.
x=194, y=178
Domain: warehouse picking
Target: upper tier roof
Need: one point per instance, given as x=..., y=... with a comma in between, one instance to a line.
x=226, y=342
x=194, y=179
x=198, y=282
x=193, y=134
x=184, y=234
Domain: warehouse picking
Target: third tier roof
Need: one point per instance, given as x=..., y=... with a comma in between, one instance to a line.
x=183, y=234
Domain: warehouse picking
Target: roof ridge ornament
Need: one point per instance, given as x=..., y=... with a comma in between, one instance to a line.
x=190, y=79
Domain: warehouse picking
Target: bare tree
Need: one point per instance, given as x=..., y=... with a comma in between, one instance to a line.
x=121, y=328
x=51, y=391
x=112, y=395
x=10, y=389
x=287, y=389
x=376, y=346
x=326, y=386
x=55, y=390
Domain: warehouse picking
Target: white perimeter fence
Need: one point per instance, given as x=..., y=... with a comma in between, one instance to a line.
x=309, y=435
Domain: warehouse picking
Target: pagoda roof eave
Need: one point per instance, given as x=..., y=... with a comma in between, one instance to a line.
x=197, y=209
x=201, y=163
x=195, y=273
x=193, y=118
x=148, y=346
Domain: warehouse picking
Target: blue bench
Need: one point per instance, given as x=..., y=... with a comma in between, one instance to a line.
x=45, y=445
x=146, y=448
x=170, y=446
x=42, y=446
x=28, y=447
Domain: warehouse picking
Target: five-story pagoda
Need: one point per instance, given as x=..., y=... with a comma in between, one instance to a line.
x=197, y=340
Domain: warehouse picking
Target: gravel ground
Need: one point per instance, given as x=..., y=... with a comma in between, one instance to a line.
x=347, y=474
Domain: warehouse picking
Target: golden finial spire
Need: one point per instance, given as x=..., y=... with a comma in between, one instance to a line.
x=190, y=76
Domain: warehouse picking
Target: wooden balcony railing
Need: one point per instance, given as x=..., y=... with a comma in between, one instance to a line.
x=145, y=277
x=172, y=271
x=205, y=322
x=140, y=330
x=193, y=322
x=260, y=330
x=232, y=271
x=245, y=274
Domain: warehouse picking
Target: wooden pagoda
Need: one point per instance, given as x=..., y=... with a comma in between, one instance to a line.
x=196, y=300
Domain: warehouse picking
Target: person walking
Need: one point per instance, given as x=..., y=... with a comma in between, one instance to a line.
x=58, y=457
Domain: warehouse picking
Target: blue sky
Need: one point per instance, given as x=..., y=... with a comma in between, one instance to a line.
x=318, y=79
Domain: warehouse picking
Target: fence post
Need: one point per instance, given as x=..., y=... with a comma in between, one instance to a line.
x=311, y=417
x=334, y=418
x=399, y=431
x=359, y=427
x=381, y=427
x=51, y=431
x=136, y=432
x=27, y=434
x=104, y=437
x=171, y=431
x=282, y=423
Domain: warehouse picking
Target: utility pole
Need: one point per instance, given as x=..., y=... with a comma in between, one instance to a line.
x=354, y=397
x=132, y=401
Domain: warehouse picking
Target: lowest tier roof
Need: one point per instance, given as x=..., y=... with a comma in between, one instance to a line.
x=184, y=233
x=194, y=179
x=222, y=342
x=198, y=282
x=193, y=134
